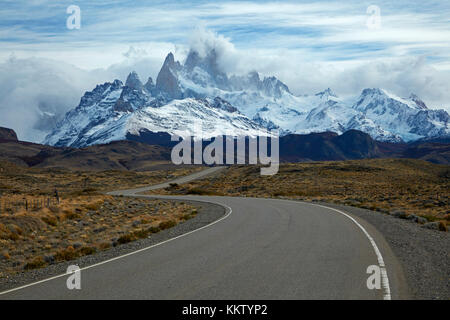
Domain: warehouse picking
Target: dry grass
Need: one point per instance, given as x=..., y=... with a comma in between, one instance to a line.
x=42, y=182
x=81, y=226
x=413, y=186
x=85, y=220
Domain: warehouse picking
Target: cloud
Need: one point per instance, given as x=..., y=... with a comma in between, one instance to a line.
x=401, y=75
x=33, y=89
x=37, y=92
x=308, y=45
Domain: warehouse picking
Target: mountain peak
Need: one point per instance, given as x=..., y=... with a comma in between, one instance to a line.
x=149, y=85
x=133, y=81
x=167, y=80
x=274, y=87
x=209, y=64
x=418, y=101
x=372, y=91
x=170, y=59
x=193, y=59
x=327, y=93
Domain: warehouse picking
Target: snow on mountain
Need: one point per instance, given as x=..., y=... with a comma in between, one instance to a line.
x=238, y=104
x=217, y=118
x=409, y=118
x=113, y=110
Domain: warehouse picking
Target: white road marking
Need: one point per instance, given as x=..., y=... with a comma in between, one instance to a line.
x=384, y=276
x=130, y=253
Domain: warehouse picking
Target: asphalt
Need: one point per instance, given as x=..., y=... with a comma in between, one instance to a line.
x=261, y=249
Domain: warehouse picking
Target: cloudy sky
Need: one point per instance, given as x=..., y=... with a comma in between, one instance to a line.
x=45, y=67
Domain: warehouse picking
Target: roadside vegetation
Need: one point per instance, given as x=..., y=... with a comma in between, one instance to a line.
x=38, y=228
x=401, y=187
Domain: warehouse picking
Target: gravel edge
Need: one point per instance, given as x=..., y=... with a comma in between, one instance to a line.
x=207, y=213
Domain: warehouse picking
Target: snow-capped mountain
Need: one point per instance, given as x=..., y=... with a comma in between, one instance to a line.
x=239, y=105
x=113, y=110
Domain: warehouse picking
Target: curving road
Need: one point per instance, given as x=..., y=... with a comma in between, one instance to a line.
x=261, y=249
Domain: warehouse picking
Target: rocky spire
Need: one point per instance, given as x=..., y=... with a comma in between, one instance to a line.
x=149, y=85
x=167, y=80
x=326, y=94
x=133, y=81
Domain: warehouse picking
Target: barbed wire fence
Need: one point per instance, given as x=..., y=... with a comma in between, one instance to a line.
x=11, y=206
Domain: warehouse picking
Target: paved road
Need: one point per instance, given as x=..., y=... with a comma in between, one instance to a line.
x=261, y=249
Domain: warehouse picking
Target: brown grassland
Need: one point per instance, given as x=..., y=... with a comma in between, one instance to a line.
x=36, y=230
x=385, y=185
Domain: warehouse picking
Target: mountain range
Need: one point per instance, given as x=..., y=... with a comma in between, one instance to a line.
x=198, y=90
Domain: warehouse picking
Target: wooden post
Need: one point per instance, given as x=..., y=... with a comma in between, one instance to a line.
x=56, y=195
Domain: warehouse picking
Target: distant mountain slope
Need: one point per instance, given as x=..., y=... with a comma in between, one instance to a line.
x=352, y=144
x=7, y=134
x=119, y=155
x=147, y=150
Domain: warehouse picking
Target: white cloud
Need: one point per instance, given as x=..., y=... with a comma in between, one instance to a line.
x=308, y=45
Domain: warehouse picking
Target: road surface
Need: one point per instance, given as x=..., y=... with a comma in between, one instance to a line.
x=260, y=249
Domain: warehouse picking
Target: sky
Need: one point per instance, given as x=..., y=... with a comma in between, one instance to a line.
x=346, y=45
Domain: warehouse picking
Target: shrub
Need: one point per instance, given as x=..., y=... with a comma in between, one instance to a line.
x=189, y=215
x=66, y=254
x=85, y=251
x=36, y=263
x=104, y=245
x=154, y=229
x=126, y=238
x=52, y=221
x=69, y=214
x=53, y=209
x=93, y=206
x=13, y=236
x=141, y=234
x=200, y=191
x=167, y=224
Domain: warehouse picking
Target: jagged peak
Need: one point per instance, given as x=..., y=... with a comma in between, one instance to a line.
x=167, y=80
x=418, y=101
x=133, y=81
x=100, y=90
x=117, y=83
x=170, y=62
x=149, y=84
x=193, y=59
x=208, y=63
x=372, y=91
x=253, y=75
x=170, y=59
x=327, y=93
